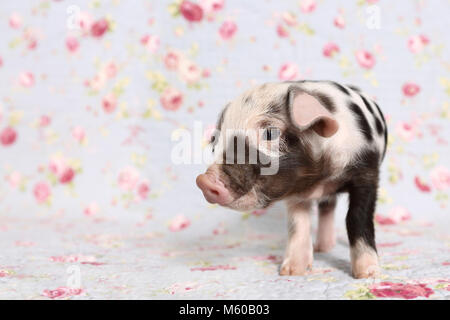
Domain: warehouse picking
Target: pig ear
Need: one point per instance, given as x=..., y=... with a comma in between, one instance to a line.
x=307, y=112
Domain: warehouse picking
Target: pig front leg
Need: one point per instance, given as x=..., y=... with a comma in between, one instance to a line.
x=326, y=237
x=361, y=231
x=299, y=251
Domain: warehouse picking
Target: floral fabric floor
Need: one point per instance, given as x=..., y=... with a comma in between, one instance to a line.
x=63, y=258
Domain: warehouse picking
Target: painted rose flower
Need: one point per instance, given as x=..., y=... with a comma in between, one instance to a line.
x=421, y=185
x=67, y=175
x=91, y=209
x=212, y=6
x=191, y=11
x=289, y=18
x=79, y=134
x=330, y=49
x=62, y=292
x=8, y=136
x=227, y=30
x=84, y=20
x=1, y=62
x=410, y=89
x=109, y=103
x=440, y=178
x=407, y=131
x=394, y=216
x=72, y=44
x=400, y=290
x=110, y=70
x=172, y=60
x=44, y=121
x=26, y=79
x=41, y=192
x=143, y=189
x=171, y=99
x=189, y=71
x=307, y=6
x=15, y=178
x=128, y=178
x=282, y=31
x=288, y=71
x=417, y=43
x=151, y=42
x=99, y=28
x=339, y=21
x=179, y=223
x=15, y=21
x=365, y=59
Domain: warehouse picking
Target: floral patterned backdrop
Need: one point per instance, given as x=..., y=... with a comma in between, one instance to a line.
x=91, y=205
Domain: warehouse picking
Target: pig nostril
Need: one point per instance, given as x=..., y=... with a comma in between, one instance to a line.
x=215, y=192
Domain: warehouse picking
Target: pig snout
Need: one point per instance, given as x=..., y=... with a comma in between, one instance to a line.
x=213, y=189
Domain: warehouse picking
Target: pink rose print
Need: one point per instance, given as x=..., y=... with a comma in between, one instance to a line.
x=1, y=62
x=84, y=20
x=109, y=103
x=110, y=70
x=422, y=186
x=151, y=42
x=42, y=192
x=212, y=6
x=79, y=134
x=15, y=179
x=407, y=131
x=410, y=89
x=128, y=178
x=15, y=21
x=288, y=71
x=259, y=212
x=330, y=49
x=99, y=28
x=440, y=178
x=172, y=60
x=26, y=79
x=91, y=209
x=282, y=31
x=171, y=99
x=192, y=12
x=62, y=292
x=417, y=43
x=399, y=290
x=227, y=30
x=394, y=216
x=4, y=273
x=8, y=136
x=339, y=22
x=189, y=72
x=67, y=176
x=143, y=189
x=289, y=18
x=307, y=6
x=72, y=44
x=179, y=223
x=44, y=121
x=365, y=59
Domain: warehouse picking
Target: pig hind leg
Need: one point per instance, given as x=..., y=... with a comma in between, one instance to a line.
x=360, y=229
x=326, y=237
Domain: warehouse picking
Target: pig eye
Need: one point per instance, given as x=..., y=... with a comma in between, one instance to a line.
x=271, y=133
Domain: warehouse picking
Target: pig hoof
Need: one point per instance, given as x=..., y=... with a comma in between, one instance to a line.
x=290, y=268
x=365, y=266
x=324, y=246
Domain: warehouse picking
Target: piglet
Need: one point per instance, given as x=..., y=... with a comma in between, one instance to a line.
x=303, y=142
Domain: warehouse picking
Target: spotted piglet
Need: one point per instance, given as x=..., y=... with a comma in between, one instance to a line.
x=303, y=142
